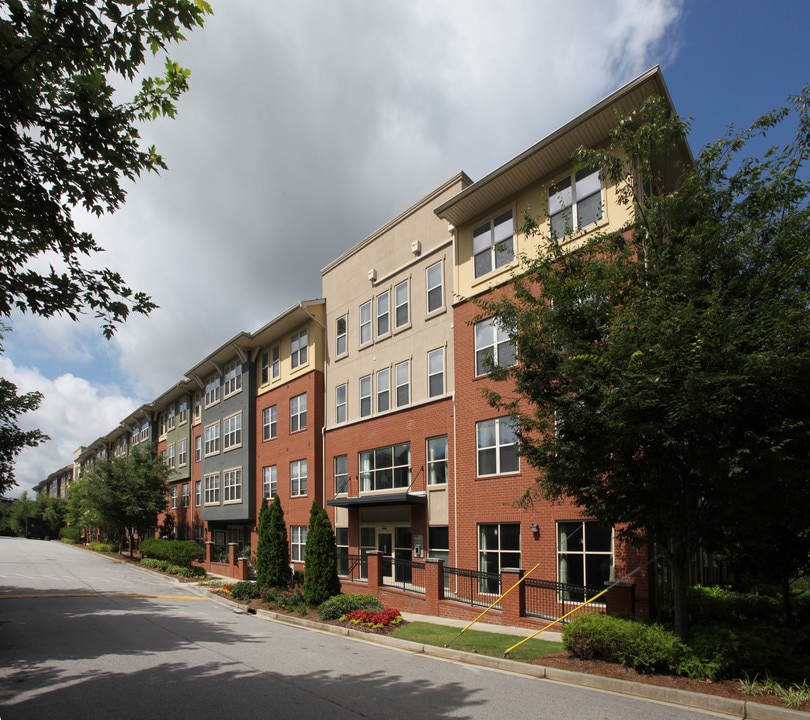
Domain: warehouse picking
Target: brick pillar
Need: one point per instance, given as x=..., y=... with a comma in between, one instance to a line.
x=209, y=551
x=233, y=549
x=513, y=605
x=434, y=584
x=621, y=599
x=375, y=572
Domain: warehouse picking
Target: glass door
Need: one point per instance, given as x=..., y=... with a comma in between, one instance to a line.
x=385, y=544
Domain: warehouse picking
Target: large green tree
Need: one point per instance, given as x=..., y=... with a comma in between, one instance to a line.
x=663, y=380
x=321, y=579
x=70, y=108
x=272, y=550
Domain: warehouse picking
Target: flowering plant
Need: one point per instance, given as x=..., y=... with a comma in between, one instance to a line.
x=373, y=618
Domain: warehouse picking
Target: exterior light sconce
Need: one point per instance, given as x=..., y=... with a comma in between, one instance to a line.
x=535, y=528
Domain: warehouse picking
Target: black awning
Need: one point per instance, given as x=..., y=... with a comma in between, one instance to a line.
x=403, y=498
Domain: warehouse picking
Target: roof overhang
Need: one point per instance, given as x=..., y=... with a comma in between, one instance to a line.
x=402, y=498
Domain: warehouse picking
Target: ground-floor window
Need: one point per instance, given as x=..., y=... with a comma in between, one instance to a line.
x=439, y=543
x=498, y=548
x=298, y=542
x=584, y=556
x=342, y=543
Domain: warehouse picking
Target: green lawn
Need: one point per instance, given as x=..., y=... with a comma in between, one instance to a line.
x=476, y=641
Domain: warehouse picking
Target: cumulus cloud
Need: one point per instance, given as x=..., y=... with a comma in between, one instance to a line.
x=307, y=126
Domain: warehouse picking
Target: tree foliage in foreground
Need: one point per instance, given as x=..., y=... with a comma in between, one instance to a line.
x=272, y=550
x=321, y=579
x=664, y=372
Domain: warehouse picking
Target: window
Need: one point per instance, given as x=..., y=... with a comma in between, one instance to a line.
x=584, y=556
x=574, y=202
x=435, y=360
x=298, y=412
x=298, y=349
x=365, y=323
x=185, y=496
x=182, y=453
x=269, y=423
x=171, y=418
x=232, y=485
x=383, y=313
x=434, y=279
x=233, y=379
x=383, y=390
x=212, y=439
x=198, y=493
x=437, y=460
x=298, y=542
x=341, y=336
x=145, y=433
x=298, y=478
x=340, y=404
x=493, y=244
x=365, y=396
x=497, y=445
x=232, y=432
x=264, y=364
x=174, y=496
x=439, y=542
x=197, y=405
x=212, y=390
x=212, y=489
x=498, y=548
x=269, y=482
x=402, y=314
x=385, y=468
x=198, y=448
x=136, y=436
x=276, y=363
x=341, y=474
x=170, y=455
x=182, y=412
x=403, y=379
x=342, y=544
x=492, y=347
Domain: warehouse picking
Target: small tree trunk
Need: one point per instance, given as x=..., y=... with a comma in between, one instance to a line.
x=680, y=584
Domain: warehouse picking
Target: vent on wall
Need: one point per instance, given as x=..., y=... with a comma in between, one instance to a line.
x=416, y=247
x=372, y=275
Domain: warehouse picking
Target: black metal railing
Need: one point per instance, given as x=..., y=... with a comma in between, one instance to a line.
x=471, y=587
x=550, y=600
x=352, y=567
x=405, y=574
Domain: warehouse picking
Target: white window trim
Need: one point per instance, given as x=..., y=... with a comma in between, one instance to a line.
x=296, y=477
x=235, y=485
x=232, y=438
x=440, y=287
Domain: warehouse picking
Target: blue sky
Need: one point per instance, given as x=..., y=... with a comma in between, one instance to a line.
x=308, y=125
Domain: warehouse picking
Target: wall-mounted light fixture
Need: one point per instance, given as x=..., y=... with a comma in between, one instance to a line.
x=535, y=528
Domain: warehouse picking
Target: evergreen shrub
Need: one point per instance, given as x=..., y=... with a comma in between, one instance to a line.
x=175, y=552
x=339, y=605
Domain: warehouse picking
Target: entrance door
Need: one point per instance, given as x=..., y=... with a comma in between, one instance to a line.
x=385, y=544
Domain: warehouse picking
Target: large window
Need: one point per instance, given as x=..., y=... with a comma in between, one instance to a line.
x=435, y=361
x=269, y=481
x=365, y=396
x=497, y=445
x=403, y=378
x=434, y=278
x=493, y=244
x=437, y=460
x=386, y=467
x=298, y=412
x=182, y=453
x=341, y=474
x=298, y=478
x=171, y=452
x=232, y=431
x=299, y=344
x=212, y=390
x=171, y=418
x=365, y=323
x=183, y=411
x=269, y=422
x=439, y=543
x=185, y=497
x=298, y=542
x=498, y=548
x=174, y=496
x=340, y=404
x=212, y=489
x=383, y=390
x=232, y=485
x=492, y=347
x=402, y=315
x=212, y=439
x=265, y=368
x=275, y=364
x=341, y=336
x=584, y=556
x=233, y=379
x=574, y=202
x=383, y=313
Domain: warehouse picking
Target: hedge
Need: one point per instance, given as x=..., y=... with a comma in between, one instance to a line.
x=175, y=552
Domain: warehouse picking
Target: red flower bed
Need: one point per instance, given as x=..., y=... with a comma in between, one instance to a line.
x=374, y=618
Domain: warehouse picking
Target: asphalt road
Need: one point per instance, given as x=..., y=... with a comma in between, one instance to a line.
x=82, y=636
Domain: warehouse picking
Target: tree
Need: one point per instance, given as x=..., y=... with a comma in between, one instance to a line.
x=321, y=580
x=272, y=550
x=69, y=138
x=664, y=371
x=126, y=494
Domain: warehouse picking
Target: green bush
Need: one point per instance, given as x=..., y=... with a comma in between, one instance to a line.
x=245, y=590
x=70, y=534
x=336, y=607
x=103, y=547
x=716, y=604
x=175, y=552
x=184, y=571
x=153, y=563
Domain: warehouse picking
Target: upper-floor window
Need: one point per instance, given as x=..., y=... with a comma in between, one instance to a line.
x=340, y=404
x=264, y=364
x=341, y=474
x=493, y=244
x=497, y=446
x=402, y=315
x=212, y=439
x=145, y=434
x=365, y=396
x=171, y=418
x=298, y=478
x=574, y=202
x=383, y=390
x=233, y=379
x=269, y=481
x=493, y=347
x=182, y=453
x=434, y=279
x=435, y=361
x=136, y=435
x=365, y=322
x=437, y=460
x=298, y=412
x=341, y=336
x=197, y=405
x=269, y=419
x=212, y=390
x=198, y=493
x=212, y=489
x=185, y=498
x=383, y=313
x=275, y=364
x=403, y=379
x=171, y=455
x=386, y=467
x=232, y=485
x=232, y=431
x=298, y=349
x=198, y=448
x=174, y=496
x=182, y=411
